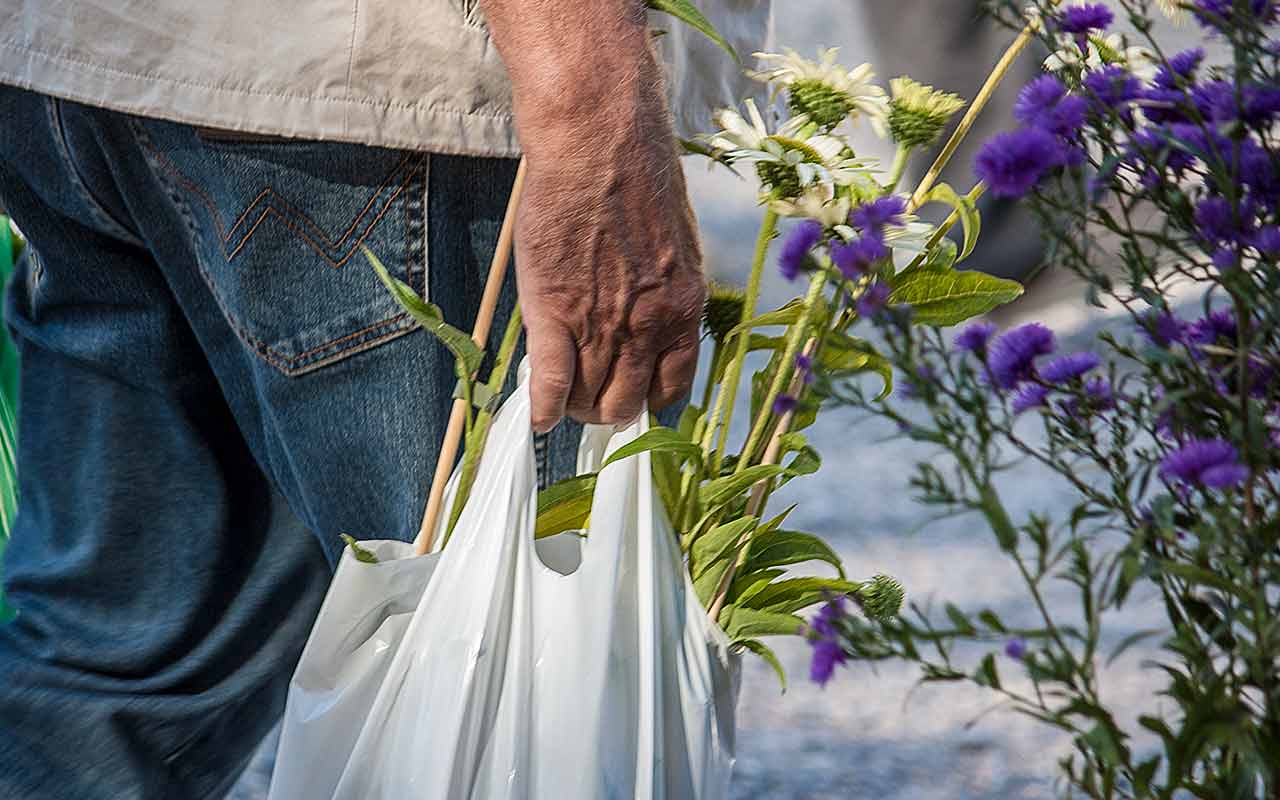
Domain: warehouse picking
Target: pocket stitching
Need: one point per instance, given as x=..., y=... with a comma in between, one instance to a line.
x=285, y=363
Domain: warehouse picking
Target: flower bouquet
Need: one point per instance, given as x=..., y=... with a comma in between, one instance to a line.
x=854, y=241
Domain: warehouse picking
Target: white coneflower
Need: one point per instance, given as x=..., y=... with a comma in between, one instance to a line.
x=918, y=112
x=1172, y=9
x=818, y=203
x=1102, y=51
x=787, y=161
x=824, y=90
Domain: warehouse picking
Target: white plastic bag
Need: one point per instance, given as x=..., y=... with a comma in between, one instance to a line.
x=574, y=669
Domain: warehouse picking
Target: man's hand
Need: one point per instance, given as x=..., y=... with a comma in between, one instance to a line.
x=607, y=255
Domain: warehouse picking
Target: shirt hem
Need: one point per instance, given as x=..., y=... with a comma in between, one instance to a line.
x=388, y=123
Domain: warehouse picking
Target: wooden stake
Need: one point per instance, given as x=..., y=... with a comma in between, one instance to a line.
x=479, y=335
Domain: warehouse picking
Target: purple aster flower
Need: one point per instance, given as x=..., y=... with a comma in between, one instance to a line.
x=1082, y=19
x=1214, y=463
x=827, y=655
x=1216, y=100
x=784, y=404
x=1257, y=171
x=1016, y=648
x=1162, y=329
x=880, y=212
x=804, y=366
x=1181, y=66
x=1069, y=367
x=1031, y=395
x=1012, y=163
x=1113, y=86
x=1012, y=356
x=1219, y=325
x=797, y=246
x=856, y=257
x=1101, y=395
x=1267, y=241
x=1217, y=222
x=974, y=338
x=1220, y=13
x=1044, y=103
x=873, y=300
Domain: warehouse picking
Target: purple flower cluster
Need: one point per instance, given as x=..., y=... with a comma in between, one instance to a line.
x=797, y=246
x=1012, y=358
x=1211, y=463
x=1085, y=19
x=1011, y=366
x=824, y=637
x=1012, y=163
x=870, y=219
x=1220, y=14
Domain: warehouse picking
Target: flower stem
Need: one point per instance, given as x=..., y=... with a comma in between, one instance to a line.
x=475, y=439
x=979, y=103
x=900, y=160
x=795, y=337
x=723, y=413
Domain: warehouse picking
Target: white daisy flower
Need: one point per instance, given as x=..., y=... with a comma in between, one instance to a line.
x=817, y=203
x=824, y=90
x=1100, y=52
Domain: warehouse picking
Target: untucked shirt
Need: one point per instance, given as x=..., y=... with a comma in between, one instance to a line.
x=414, y=74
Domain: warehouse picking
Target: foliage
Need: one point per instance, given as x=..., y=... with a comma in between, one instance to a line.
x=1164, y=186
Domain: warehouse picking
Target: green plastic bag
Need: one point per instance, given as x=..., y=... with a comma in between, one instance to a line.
x=11, y=245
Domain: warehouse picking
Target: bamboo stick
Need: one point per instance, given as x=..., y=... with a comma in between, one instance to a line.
x=480, y=335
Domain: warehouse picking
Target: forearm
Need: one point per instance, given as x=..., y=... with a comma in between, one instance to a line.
x=574, y=63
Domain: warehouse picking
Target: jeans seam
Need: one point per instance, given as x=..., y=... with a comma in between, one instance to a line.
x=53, y=107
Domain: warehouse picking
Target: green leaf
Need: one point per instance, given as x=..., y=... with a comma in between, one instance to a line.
x=797, y=593
x=748, y=623
x=781, y=548
x=708, y=583
x=1129, y=641
x=717, y=543
x=951, y=297
x=806, y=462
x=745, y=586
x=666, y=476
x=688, y=421
x=787, y=315
x=848, y=355
x=656, y=439
x=565, y=506
x=722, y=490
x=362, y=555
x=941, y=258
x=770, y=657
x=970, y=219
x=986, y=674
x=687, y=13
x=429, y=316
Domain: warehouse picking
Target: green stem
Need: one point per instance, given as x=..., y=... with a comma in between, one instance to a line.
x=689, y=481
x=795, y=338
x=975, y=194
x=723, y=413
x=900, y=160
x=476, y=438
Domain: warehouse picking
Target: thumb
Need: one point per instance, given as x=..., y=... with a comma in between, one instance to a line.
x=553, y=357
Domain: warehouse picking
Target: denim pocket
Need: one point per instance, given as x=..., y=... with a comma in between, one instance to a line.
x=279, y=226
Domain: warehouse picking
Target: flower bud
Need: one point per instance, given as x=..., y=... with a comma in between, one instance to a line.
x=918, y=113
x=723, y=310
x=882, y=598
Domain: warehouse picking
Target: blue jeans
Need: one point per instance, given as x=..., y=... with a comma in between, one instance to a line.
x=214, y=387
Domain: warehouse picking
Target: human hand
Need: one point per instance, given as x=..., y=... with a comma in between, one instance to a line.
x=607, y=256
